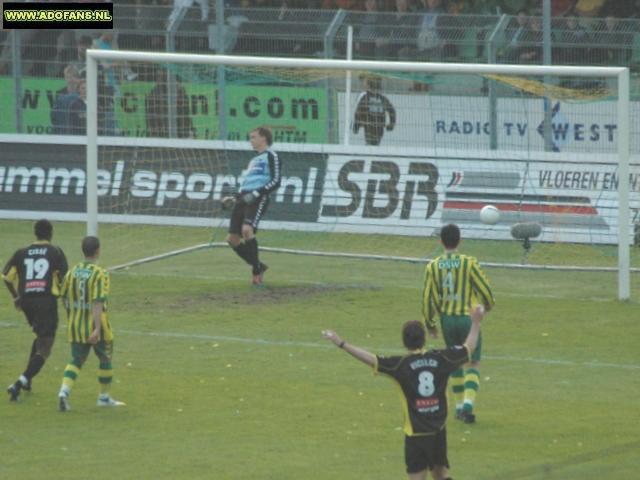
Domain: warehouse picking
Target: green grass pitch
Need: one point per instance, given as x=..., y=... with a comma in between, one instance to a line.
x=227, y=382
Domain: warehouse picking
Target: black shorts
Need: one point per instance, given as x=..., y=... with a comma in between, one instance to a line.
x=249, y=213
x=426, y=451
x=42, y=314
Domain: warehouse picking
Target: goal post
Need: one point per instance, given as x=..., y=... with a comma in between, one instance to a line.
x=620, y=75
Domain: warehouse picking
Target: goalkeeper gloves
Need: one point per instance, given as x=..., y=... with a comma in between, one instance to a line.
x=227, y=203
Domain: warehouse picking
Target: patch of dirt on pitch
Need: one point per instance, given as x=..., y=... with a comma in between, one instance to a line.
x=266, y=295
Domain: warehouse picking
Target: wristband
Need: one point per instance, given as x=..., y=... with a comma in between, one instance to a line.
x=17, y=298
x=342, y=344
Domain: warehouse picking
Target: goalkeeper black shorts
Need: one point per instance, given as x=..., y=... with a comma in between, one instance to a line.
x=247, y=213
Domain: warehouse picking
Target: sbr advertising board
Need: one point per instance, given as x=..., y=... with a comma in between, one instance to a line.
x=324, y=188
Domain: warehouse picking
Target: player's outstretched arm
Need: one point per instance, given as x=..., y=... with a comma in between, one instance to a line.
x=476, y=315
x=355, y=352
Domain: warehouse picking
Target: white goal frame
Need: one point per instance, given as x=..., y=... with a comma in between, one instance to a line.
x=619, y=73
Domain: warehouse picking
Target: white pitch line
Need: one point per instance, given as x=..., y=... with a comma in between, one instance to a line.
x=563, y=362
x=279, y=343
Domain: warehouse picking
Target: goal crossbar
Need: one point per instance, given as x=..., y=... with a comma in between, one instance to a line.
x=619, y=73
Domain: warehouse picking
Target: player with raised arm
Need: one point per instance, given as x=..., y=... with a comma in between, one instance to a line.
x=33, y=276
x=264, y=175
x=422, y=379
x=86, y=290
x=452, y=284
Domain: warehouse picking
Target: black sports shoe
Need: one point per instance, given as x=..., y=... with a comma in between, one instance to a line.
x=459, y=415
x=27, y=387
x=467, y=416
x=257, y=279
x=14, y=391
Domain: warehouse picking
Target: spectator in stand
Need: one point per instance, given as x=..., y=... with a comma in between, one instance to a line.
x=84, y=43
x=180, y=4
x=433, y=31
x=109, y=92
x=267, y=4
x=589, y=8
x=430, y=44
x=510, y=53
x=303, y=35
x=531, y=50
x=398, y=36
x=615, y=39
x=618, y=8
x=78, y=111
x=367, y=38
x=514, y=7
x=485, y=7
x=574, y=42
x=64, y=98
x=157, y=109
x=27, y=38
x=342, y=4
x=452, y=28
x=71, y=78
x=559, y=8
x=485, y=12
x=458, y=7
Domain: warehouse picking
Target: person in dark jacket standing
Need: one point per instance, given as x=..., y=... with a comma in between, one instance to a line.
x=371, y=112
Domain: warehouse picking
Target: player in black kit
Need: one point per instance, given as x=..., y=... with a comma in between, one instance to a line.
x=33, y=277
x=422, y=378
x=371, y=112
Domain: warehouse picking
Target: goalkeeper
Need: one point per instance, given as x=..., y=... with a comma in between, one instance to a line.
x=263, y=176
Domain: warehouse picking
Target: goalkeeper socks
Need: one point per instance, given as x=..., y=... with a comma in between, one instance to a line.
x=252, y=247
x=242, y=252
x=471, y=384
x=457, y=385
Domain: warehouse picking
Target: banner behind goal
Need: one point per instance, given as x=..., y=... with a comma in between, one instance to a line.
x=436, y=143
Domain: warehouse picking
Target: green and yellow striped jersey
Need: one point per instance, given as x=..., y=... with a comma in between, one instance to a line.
x=452, y=284
x=82, y=285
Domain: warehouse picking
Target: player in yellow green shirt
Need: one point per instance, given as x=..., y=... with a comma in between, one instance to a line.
x=85, y=290
x=453, y=284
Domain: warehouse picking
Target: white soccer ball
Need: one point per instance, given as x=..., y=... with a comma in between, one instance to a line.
x=489, y=215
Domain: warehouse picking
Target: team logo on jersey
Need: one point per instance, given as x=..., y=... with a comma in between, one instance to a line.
x=257, y=168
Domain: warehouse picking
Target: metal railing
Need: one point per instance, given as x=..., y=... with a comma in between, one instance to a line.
x=45, y=54
x=322, y=33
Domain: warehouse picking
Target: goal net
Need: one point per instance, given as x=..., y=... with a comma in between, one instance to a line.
x=377, y=158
